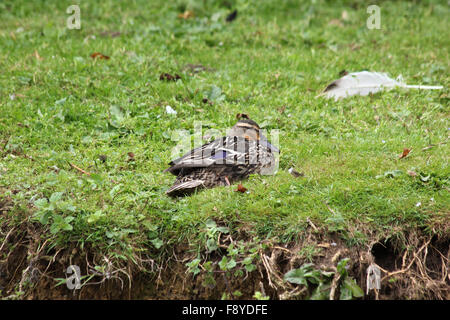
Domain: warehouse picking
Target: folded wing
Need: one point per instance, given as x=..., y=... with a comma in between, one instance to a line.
x=228, y=151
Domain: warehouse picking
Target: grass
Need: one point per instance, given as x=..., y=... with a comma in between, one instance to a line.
x=60, y=106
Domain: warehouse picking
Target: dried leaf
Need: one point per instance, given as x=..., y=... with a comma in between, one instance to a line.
x=412, y=173
x=102, y=158
x=335, y=22
x=37, y=56
x=406, y=151
x=215, y=94
x=186, y=15
x=355, y=46
x=295, y=173
x=55, y=168
x=194, y=68
x=282, y=109
x=241, y=188
x=232, y=16
x=112, y=34
x=169, y=77
x=99, y=55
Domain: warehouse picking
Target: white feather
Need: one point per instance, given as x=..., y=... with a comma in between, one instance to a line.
x=185, y=185
x=365, y=82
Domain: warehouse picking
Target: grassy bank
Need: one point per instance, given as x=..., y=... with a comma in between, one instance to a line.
x=63, y=112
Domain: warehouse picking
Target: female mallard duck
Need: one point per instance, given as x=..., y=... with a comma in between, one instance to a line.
x=225, y=160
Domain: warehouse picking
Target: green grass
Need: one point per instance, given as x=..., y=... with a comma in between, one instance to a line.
x=270, y=63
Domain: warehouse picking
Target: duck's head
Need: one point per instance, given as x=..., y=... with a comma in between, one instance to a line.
x=249, y=129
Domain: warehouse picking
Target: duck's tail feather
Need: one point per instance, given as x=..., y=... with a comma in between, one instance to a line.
x=184, y=188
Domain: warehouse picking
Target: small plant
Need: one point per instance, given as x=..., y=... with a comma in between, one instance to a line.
x=260, y=296
x=194, y=266
x=348, y=288
x=211, y=233
x=52, y=212
x=238, y=261
x=306, y=275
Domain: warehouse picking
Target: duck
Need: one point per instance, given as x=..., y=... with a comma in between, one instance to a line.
x=228, y=159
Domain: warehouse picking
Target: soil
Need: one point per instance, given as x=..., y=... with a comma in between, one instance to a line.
x=414, y=267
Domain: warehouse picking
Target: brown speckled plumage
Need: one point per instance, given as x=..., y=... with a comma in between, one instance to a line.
x=223, y=161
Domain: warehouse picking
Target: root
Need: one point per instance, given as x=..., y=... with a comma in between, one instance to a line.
x=416, y=277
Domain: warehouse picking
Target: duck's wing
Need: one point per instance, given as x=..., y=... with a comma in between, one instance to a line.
x=223, y=151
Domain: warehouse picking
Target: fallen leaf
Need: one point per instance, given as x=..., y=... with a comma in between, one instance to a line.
x=99, y=55
x=412, y=173
x=282, y=109
x=232, y=16
x=194, y=68
x=241, y=188
x=335, y=22
x=55, y=168
x=112, y=34
x=169, y=77
x=186, y=15
x=295, y=173
x=103, y=158
x=406, y=151
x=37, y=56
x=215, y=94
x=354, y=46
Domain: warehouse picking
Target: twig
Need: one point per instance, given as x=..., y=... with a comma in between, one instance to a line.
x=434, y=145
x=281, y=248
x=6, y=238
x=79, y=169
x=334, y=284
x=329, y=208
x=267, y=270
x=312, y=225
